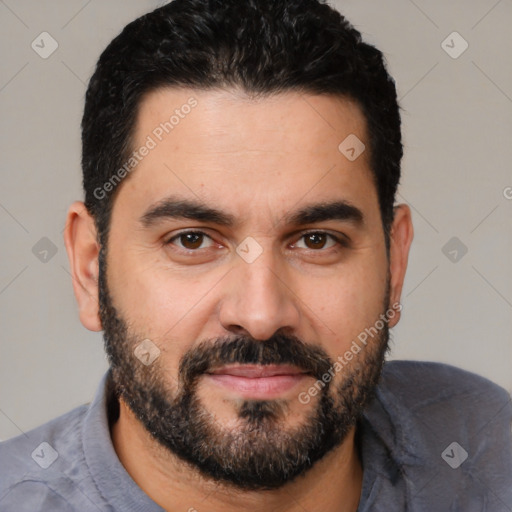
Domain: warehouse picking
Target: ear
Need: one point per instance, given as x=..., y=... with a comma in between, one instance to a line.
x=83, y=251
x=401, y=237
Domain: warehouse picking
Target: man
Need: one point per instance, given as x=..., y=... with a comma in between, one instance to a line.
x=240, y=247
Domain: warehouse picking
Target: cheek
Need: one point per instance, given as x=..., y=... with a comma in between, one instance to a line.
x=164, y=304
x=348, y=303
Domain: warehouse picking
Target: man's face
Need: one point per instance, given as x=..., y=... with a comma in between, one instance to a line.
x=247, y=308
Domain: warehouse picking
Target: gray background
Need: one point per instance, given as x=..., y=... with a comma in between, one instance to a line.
x=457, y=120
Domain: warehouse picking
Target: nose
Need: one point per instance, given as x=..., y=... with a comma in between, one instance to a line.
x=258, y=300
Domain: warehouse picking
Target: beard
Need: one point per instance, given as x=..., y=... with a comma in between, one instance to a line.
x=260, y=452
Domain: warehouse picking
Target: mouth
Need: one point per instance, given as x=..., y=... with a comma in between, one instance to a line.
x=261, y=382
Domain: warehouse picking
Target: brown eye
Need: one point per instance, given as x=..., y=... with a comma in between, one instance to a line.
x=191, y=240
x=317, y=240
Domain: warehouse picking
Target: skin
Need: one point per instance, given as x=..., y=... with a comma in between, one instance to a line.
x=258, y=160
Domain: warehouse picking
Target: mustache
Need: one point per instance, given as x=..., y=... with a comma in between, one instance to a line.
x=277, y=350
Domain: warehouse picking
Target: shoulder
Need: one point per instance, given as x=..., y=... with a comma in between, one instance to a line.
x=39, y=467
x=420, y=377
x=444, y=397
x=421, y=384
x=449, y=427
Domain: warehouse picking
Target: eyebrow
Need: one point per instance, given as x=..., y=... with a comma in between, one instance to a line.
x=177, y=208
x=321, y=212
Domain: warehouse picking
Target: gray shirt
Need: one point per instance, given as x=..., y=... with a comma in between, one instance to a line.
x=434, y=439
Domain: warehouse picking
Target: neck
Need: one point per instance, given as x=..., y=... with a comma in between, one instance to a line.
x=333, y=484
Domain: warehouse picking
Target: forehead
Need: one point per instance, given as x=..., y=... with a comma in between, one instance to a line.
x=225, y=148
x=286, y=122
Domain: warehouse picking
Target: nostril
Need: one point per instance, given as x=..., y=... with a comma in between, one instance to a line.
x=237, y=329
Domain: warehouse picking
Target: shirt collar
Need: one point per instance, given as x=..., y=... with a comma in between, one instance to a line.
x=110, y=477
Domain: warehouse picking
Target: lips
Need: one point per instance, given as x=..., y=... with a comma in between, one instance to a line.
x=257, y=381
x=257, y=371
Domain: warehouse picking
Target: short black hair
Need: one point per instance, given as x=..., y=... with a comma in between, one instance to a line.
x=261, y=46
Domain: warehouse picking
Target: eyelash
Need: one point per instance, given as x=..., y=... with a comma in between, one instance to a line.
x=340, y=241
